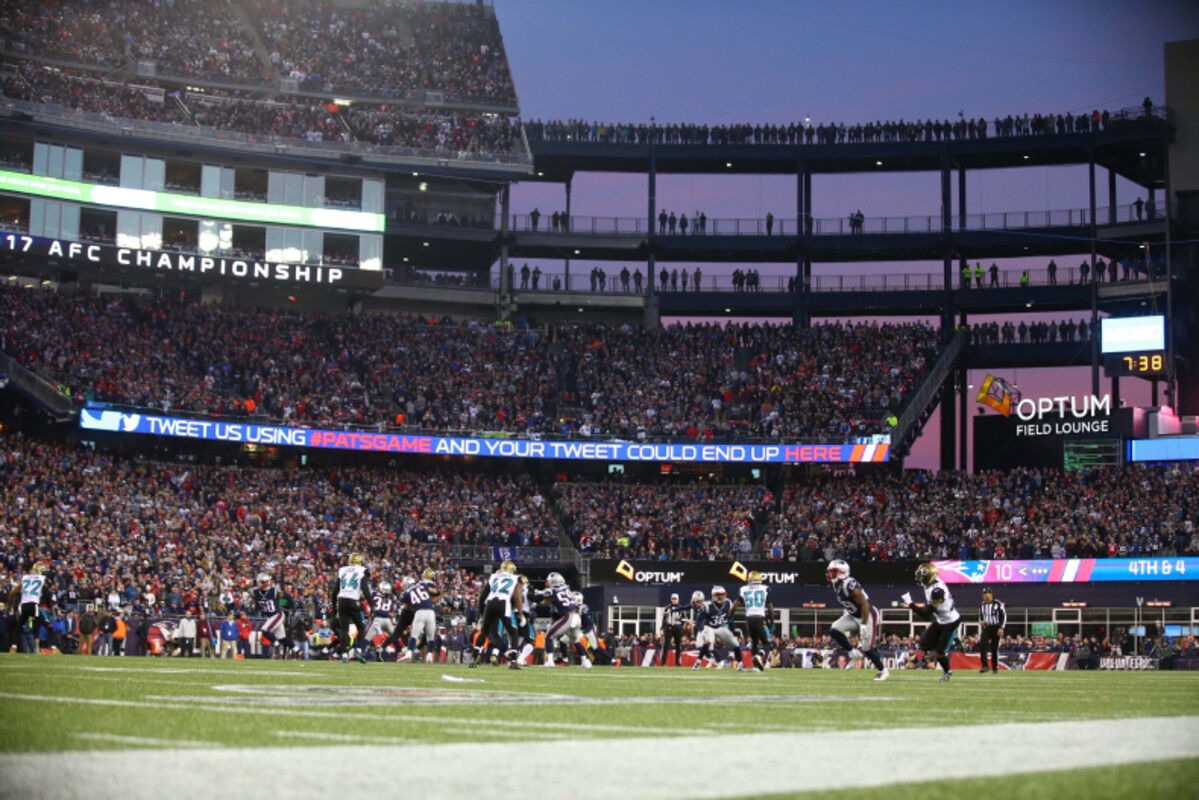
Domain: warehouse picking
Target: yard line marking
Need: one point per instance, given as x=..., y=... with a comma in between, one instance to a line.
x=344, y=737
x=142, y=741
x=213, y=705
x=501, y=768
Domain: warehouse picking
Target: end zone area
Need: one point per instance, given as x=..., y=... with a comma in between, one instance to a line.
x=128, y=727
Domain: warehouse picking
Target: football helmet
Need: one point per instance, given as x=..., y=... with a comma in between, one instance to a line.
x=837, y=570
x=39, y=568
x=429, y=574
x=555, y=580
x=384, y=587
x=355, y=559
x=508, y=567
x=264, y=580
x=755, y=577
x=926, y=574
x=524, y=580
x=407, y=582
x=718, y=594
x=697, y=598
x=578, y=598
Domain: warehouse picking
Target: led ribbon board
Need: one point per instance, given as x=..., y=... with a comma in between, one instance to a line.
x=191, y=205
x=1069, y=570
x=97, y=419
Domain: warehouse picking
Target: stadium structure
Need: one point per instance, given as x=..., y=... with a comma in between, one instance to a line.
x=350, y=233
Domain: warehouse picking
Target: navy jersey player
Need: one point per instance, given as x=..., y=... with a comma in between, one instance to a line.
x=714, y=622
x=273, y=630
x=352, y=585
x=860, y=617
x=567, y=624
x=383, y=604
x=943, y=617
x=418, y=595
x=755, y=597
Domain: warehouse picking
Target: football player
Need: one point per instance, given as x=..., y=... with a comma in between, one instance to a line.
x=674, y=616
x=860, y=617
x=523, y=621
x=502, y=592
x=33, y=583
x=942, y=629
x=758, y=613
x=352, y=585
x=567, y=625
x=383, y=604
x=713, y=622
x=273, y=630
x=588, y=624
x=418, y=595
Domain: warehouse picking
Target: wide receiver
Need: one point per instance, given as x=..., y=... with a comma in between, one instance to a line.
x=496, y=601
x=352, y=585
x=942, y=630
x=859, y=617
x=758, y=613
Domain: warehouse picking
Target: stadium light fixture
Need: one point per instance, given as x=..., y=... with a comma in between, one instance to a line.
x=578, y=252
x=1142, y=155
x=728, y=164
x=580, y=309
x=728, y=311
x=426, y=244
x=405, y=259
x=1028, y=305
x=416, y=174
x=540, y=174
x=1026, y=158
x=878, y=163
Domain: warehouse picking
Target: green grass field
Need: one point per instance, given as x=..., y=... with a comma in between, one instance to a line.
x=251, y=727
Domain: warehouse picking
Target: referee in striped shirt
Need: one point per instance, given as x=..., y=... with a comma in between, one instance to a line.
x=993, y=616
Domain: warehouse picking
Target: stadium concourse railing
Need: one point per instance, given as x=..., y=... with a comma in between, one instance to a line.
x=918, y=408
x=578, y=132
x=856, y=282
x=203, y=135
x=48, y=396
x=833, y=226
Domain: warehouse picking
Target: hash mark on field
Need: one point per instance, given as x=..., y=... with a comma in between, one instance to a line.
x=343, y=737
x=142, y=741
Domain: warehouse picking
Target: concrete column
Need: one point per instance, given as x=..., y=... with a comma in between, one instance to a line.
x=566, y=268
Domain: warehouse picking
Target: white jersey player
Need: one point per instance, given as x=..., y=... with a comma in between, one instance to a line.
x=755, y=598
x=943, y=617
x=352, y=586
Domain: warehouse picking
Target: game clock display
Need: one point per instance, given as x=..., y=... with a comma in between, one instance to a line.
x=1149, y=364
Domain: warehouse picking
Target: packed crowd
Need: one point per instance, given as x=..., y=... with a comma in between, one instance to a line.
x=702, y=381
x=690, y=522
x=383, y=49
x=1025, y=514
x=444, y=133
x=388, y=50
x=165, y=31
x=929, y=130
x=146, y=536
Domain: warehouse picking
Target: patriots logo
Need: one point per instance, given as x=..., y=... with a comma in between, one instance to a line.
x=962, y=571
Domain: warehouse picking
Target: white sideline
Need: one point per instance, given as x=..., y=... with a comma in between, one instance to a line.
x=602, y=768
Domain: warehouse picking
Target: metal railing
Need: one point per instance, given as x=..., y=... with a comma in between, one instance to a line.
x=681, y=281
x=832, y=226
x=40, y=390
x=199, y=134
x=914, y=410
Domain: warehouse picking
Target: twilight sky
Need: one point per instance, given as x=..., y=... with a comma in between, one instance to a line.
x=723, y=61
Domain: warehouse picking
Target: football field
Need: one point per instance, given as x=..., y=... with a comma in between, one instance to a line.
x=139, y=727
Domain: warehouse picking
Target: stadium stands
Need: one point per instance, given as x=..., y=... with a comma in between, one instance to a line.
x=663, y=521
x=1022, y=514
x=383, y=49
x=278, y=117
x=126, y=524
x=707, y=381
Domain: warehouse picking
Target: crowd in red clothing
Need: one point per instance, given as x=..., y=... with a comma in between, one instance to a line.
x=708, y=381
